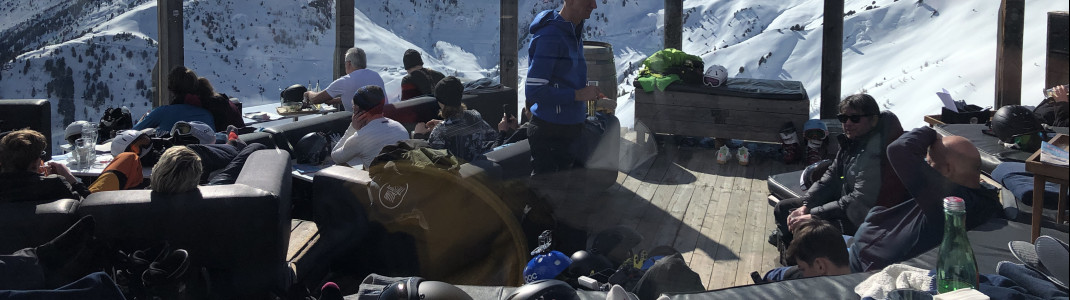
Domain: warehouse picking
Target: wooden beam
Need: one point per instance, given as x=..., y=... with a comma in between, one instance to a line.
x=831, y=58
x=1058, y=55
x=509, y=45
x=1009, y=52
x=170, y=52
x=343, y=34
x=674, y=26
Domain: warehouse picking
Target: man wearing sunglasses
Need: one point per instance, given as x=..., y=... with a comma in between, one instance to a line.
x=859, y=177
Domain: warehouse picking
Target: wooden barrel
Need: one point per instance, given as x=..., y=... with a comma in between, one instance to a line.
x=600, y=67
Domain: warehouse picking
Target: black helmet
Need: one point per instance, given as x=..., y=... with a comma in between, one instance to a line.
x=615, y=243
x=415, y=288
x=591, y=265
x=312, y=148
x=294, y=93
x=547, y=289
x=1013, y=120
x=813, y=173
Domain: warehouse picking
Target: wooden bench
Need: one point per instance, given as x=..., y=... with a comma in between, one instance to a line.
x=743, y=108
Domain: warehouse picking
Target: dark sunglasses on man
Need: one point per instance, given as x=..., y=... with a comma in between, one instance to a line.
x=854, y=118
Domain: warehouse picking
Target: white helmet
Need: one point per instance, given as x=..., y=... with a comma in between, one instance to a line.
x=715, y=76
x=74, y=130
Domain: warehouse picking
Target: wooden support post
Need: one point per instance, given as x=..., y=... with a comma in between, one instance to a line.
x=509, y=45
x=1009, y=52
x=343, y=34
x=831, y=58
x=674, y=26
x=1057, y=70
x=170, y=52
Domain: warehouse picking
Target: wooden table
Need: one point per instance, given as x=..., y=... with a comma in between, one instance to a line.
x=1043, y=173
x=276, y=112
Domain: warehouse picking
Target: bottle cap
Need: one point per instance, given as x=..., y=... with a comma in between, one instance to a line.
x=953, y=203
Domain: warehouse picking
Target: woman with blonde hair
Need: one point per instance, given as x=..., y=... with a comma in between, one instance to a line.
x=178, y=171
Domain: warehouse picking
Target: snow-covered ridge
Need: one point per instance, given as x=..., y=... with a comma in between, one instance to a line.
x=901, y=52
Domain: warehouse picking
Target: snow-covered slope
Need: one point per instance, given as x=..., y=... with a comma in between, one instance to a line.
x=89, y=55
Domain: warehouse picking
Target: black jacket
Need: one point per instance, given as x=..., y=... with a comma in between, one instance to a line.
x=30, y=186
x=859, y=178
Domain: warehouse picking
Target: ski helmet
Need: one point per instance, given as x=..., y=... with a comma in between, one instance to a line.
x=546, y=266
x=814, y=129
x=813, y=173
x=615, y=243
x=312, y=148
x=74, y=131
x=715, y=76
x=294, y=93
x=544, y=289
x=1014, y=120
x=591, y=265
x=416, y=288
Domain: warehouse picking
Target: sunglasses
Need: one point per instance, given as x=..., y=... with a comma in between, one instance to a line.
x=1028, y=142
x=854, y=118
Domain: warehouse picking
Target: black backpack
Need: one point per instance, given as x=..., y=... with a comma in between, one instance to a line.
x=114, y=120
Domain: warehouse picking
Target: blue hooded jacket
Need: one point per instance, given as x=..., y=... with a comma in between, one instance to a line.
x=556, y=69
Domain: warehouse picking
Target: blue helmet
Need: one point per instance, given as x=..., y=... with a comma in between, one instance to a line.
x=546, y=266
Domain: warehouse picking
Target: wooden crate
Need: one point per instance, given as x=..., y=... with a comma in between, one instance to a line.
x=697, y=113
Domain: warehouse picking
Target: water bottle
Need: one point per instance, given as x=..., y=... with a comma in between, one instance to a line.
x=956, y=267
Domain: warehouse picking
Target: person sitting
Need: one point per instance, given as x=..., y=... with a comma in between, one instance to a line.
x=224, y=112
x=178, y=171
x=858, y=178
x=186, y=104
x=369, y=130
x=463, y=132
x=1055, y=110
x=419, y=81
x=818, y=249
x=357, y=76
x=129, y=149
x=931, y=167
x=509, y=131
x=23, y=176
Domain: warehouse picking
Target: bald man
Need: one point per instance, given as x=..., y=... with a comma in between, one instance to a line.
x=932, y=168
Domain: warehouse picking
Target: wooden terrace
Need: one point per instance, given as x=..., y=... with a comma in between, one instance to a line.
x=717, y=215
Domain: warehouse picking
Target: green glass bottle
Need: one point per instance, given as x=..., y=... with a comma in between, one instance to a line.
x=956, y=267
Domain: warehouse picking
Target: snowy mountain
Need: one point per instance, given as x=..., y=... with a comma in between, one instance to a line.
x=89, y=55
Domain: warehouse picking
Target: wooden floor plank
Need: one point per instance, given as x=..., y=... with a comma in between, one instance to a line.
x=300, y=237
x=688, y=233
x=669, y=228
x=752, y=248
x=645, y=191
x=659, y=213
x=727, y=259
x=709, y=228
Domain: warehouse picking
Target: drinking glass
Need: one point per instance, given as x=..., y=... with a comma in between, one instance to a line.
x=86, y=152
x=90, y=131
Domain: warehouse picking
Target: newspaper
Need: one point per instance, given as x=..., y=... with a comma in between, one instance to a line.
x=1053, y=155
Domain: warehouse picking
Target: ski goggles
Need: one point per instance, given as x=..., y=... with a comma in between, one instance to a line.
x=1028, y=142
x=181, y=128
x=854, y=118
x=814, y=134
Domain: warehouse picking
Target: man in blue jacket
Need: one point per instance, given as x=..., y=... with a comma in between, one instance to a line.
x=557, y=85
